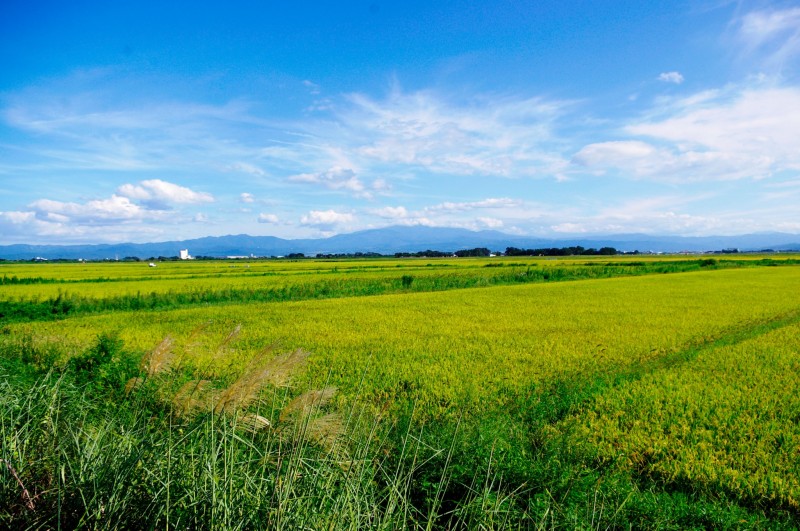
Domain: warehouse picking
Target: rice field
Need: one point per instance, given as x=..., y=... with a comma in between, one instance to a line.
x=652, y=393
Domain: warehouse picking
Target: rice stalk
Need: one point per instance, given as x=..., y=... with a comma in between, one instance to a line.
x=222, y=348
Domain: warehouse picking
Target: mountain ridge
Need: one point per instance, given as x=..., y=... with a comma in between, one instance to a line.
x=395, y=239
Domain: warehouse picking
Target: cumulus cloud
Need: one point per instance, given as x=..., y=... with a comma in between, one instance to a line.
x=326, y=218
x=17, y=226
x=334, y=179
x=18, y=218
x=270, y=219
x=490, y=223
x=246, y=198
x=389, y=212
x=671, y=77
x=135, y=211
x=161, y=193
x=114, y=209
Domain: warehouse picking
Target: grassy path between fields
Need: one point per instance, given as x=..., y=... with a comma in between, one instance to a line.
x=567, y=395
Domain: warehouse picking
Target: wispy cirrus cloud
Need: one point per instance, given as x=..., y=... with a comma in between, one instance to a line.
x=492, y=202
x=773, y=33
x=491, y=136
x=739, y=133
x=90, y=121
x=83, y=122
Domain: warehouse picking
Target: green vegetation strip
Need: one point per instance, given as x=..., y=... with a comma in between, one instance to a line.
x=62, y=305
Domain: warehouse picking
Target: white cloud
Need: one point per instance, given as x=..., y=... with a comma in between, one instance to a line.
x=389, y=212
x=420, y=221
x=723, y=135
x=312, y=87
x=143, y=212
x=163, y=192
x=570, y=228
x=671, y=77
x=246, y=198
x=334, y=179
x=492, y=202
x=92, y=121
x=774, y=33
x=250, y=169
x=498, y=136
x=270, y=219
x=326, y=218
x=490, y=223
x=18, y=218
x=114, y=209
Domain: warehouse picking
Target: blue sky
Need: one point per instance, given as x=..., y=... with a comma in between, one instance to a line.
x=155, y=121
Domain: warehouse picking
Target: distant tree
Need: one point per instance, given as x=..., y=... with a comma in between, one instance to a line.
x=478, y=251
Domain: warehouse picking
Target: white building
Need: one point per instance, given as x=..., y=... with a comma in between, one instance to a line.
x=185, y=254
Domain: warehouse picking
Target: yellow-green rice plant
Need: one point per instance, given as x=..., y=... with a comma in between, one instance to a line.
x=724, y=422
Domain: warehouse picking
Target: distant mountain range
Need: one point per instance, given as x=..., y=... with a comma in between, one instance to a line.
x=396, y=239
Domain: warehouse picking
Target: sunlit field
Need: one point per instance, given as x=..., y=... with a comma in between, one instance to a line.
x=655, y=392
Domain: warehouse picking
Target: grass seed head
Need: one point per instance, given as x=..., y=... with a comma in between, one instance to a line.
x=308, y=401
x=325, y=430
x=159, y=359
x=254, y=423
x=133, y=384
x=193, y=396
x=261, y=371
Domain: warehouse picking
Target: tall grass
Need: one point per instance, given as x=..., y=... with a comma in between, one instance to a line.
x=80, y=454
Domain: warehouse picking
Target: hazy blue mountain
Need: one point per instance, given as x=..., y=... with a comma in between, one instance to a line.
x=391, y=240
